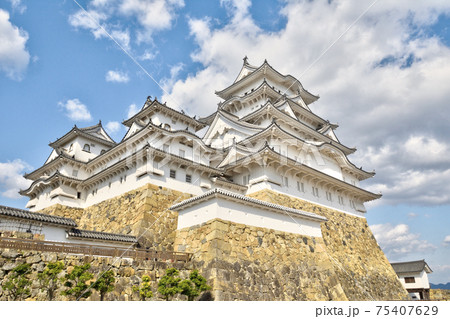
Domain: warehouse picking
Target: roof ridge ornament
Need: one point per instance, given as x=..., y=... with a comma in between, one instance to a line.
x=245, y=60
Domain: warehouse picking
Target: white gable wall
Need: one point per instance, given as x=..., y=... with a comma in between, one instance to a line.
x=236, y=212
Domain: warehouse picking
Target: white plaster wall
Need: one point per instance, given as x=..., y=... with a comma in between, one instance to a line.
x=248, y=215
x=307, y=195
x=421, y=280
x=77, y=149
x=175, y=124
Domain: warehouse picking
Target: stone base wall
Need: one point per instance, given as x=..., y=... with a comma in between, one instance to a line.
x=251, y=263
x=128, y=273
x=361, y=266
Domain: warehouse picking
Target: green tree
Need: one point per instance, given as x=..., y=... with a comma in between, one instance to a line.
x=105, y=284
x=75, y=281
x=145, y=289
x=17, y=284
x=168, y=285
x=49, y=279
x=194, y=286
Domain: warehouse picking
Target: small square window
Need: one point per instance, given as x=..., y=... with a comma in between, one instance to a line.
x=75, y=173
x=166, y=147
x=410, y=280
x=173, y=173
x=188, y=178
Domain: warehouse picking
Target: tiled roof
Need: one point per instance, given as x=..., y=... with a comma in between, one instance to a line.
x=25, y=214
x=223, y=193
x=411, y=266
x=88, y=234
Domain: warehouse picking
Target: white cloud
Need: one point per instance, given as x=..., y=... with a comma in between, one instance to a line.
x=132, y=109
x=76, y=110
x=18, y=6
x=147, y=56
x=398, y=241
x=152, y=15
x=175, y=70
x=113, y=127
x=447, y=240
x=11, y=178
x=149, y=15
x=14, y=57
x=382, y=81
x=117, y=76
x=412, y=215
x=91, y=20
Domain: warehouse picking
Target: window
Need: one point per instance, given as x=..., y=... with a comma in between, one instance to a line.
x=188, y=178
x=300, y=187
x=285, y=181
x=182, y=153
x=173, y=173
x=352, y=204
x=102, y=152
x=167, y=127
x=87, y=148
x=315, y=191
x=341, y=200
x=246, y=179
x=79, y=195
x=329, y=197
x=166, y=148
x=410, y=280
x=75, y=173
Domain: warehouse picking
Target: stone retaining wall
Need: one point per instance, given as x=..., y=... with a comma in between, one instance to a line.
x=128, y=272
x=251, y=263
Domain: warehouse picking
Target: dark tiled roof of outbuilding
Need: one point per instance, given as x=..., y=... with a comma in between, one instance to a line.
x=411, y=266
x=25, y=214
x=89, y=234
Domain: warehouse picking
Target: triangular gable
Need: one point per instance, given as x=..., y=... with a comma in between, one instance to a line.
x=132, y=130
x=233, y=155
x=330, y=133
x=286, y=108
x=222, y=124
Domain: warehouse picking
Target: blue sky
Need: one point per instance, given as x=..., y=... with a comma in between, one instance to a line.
x=383, y=77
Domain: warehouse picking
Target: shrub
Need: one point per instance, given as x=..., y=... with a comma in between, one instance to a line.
x=105, y=283
x=18, y=283
x=49, y=280
x=145, y=289
x=75, y=281
x=193, y=286
x=168, y=285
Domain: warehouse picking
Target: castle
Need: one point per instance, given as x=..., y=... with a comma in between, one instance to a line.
x=261, y=192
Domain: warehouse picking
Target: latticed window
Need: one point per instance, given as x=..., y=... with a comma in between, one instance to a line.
x=173, y=173
x=410, y=280
x=22, y=227
x=188, y=178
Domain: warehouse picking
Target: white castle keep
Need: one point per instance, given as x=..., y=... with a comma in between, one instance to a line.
x=263, y=135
